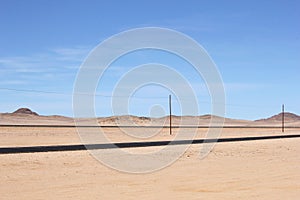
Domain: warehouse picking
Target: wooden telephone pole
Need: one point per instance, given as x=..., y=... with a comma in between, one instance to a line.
x=170, y=108
x=282, y=118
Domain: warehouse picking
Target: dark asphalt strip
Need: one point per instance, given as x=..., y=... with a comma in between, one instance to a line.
x=55, y=148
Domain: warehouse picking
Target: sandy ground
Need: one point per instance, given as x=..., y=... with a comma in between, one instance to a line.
x=241, y=170
x=35, y=136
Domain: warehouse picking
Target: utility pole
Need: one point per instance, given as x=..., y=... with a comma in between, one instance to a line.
x=283, y=118
x=170, y=108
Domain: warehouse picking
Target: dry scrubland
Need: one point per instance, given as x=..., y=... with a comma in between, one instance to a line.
x=267, y=169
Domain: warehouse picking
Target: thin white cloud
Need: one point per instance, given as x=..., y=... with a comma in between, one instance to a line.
x=237, y=87
x=59, y=58
x=52, y=65
x=13, y=82
x=72, y=54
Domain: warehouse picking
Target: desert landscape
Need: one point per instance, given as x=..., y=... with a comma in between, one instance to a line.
x=265, y=169
x=147, y=100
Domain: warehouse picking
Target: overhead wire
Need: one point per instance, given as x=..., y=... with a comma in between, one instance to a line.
x=132, y=97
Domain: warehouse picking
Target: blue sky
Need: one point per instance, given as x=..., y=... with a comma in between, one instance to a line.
x=255, y=45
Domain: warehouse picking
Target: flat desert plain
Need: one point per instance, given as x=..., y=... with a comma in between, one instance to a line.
x=265, y=169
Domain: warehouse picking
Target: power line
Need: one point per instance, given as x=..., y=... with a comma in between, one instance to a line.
x=32, y=91
x=76, y=93
x=132, y=97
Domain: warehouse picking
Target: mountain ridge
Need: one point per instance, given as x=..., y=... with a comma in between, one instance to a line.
x=27, y=115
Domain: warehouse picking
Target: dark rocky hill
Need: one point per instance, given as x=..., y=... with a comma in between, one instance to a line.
x=288, y=117
x=25, y=111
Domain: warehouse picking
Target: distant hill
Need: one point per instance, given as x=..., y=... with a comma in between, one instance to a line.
x=25, y=111
x=27, y=116
x=288, y=117
x=203, y=120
